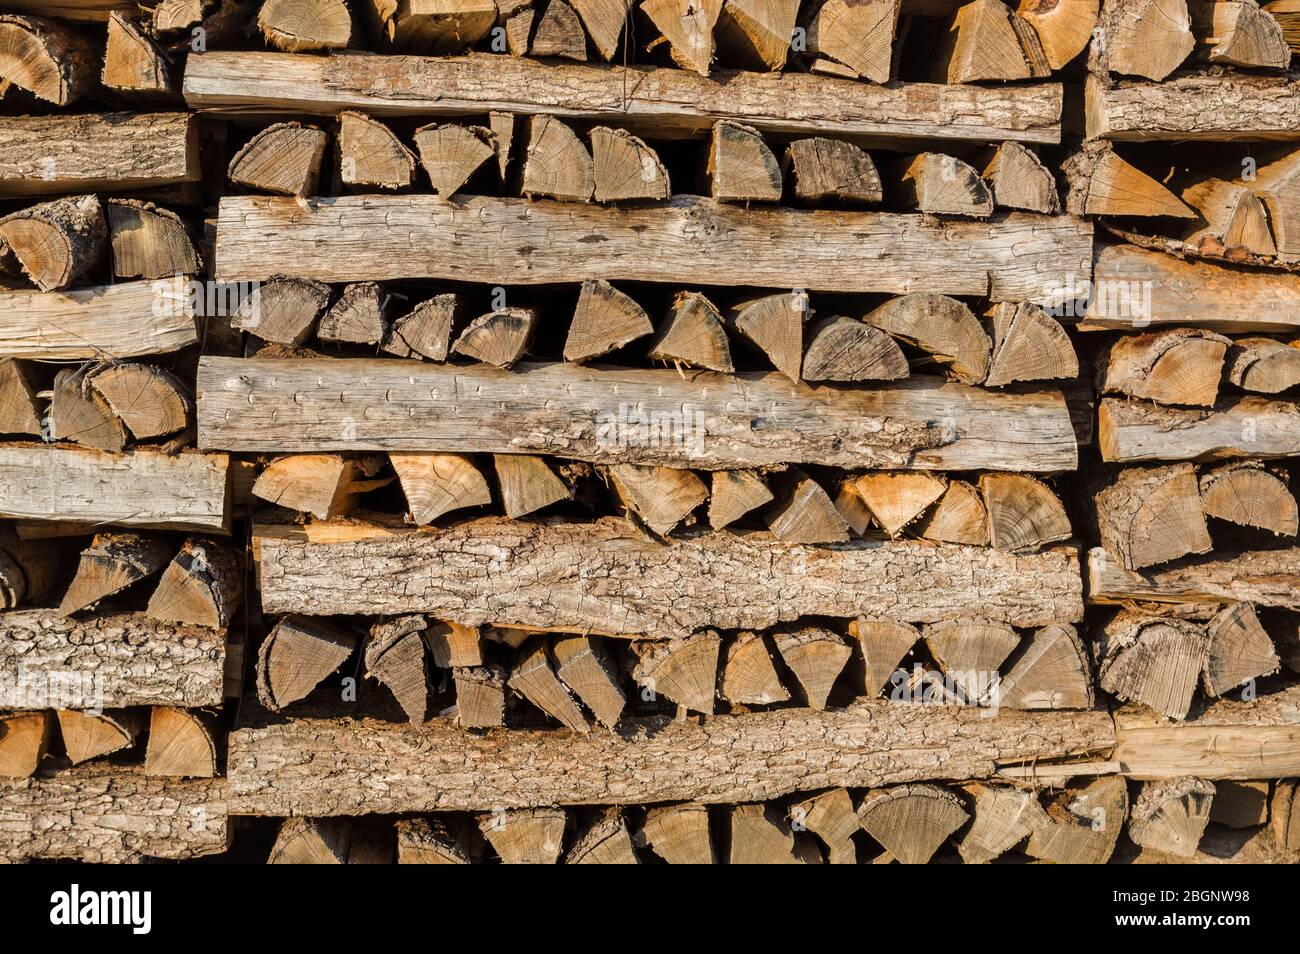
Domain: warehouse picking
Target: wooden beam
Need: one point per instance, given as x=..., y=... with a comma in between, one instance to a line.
x=687, y=240
x=1132, y=432
x=1262, y=577
x=324, y=763
x=606, y=415
x=102, y=813
x=112, y=321
x=1227, y=740
x=1199, y=106
x=660, y=101
x=141, y=488
x=48, y=660
x=607, y=577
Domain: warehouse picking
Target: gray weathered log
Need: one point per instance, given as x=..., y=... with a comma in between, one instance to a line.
x=1131, y=432
x=1262, y=577
x=1225, y=106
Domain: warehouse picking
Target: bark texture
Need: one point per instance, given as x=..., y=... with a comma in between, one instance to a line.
x=1262, y=577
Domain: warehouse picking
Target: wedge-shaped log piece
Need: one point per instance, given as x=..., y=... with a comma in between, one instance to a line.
x=79, y=413
x=833, y=819
x=693, y=334
x=24, y=739
x=1171, y=816
x=453, y=646
x=1284, y=821
x=556, y=163
x=662, y=497
x=431, y=841
x=283, y=310
x=528, y=484
x=679, y=834
x=959, y=517
x=295, y=656
x=858, y=34
x=150, y=401
x=371, y=155
x=1262, y=577
x=20, y=412
x=430, y=26
x=942, y=326
x=1263, y=365
x=425, y=331
x=534, y=679
x=683, y=669
x=1181, y=366
x=1149, y=38
x=1151, y=515
x=895, y=500
x=1154, y=661
x=451, y=154
x=298, y=26
x=29, y=570
x=687, y=25
x=284, y=158
x=749, y=676
x=583, y=665
x=558, y=33
x=437, y=484
x=1277, y=185
x=1064, y=27
x=1004, y=817
x=605, y=841
x=526, y=837
x=357, y=317
x=1132, y=432
x=499, y=338
x=1239, y=650
x=832, y=169
x=884, y=643
x=1232, y=219
x=180, y=744
x=1024, y=513
x=756, y=34
x=847, y=349
x=132, y=61
x=970, y=652
x=201, y=586
x=741, y=166
x=911, y=821
x=816, y=657
x=849, y=504
x=480, y=696
x=395, y=657
x=626, y=168
x=542, y=578
x=604, y=321
x=604, y=21
x=759, y=836
x=1238, y=33
x=519, y=30
x=1083, y=825
x=111, y=563
x=50, y=60
x=774, y=325
x=979, y=42
x=149, y=242
x=323, y=485
x=57, y=244
x=804, y=513
x=1019, y=180
x=1101, y=183
x=1049, y=670
x=1028, y=345
x=330, y=841
x=940, y=185
x=734, y=493
x=87, y=735
x=1248, y=494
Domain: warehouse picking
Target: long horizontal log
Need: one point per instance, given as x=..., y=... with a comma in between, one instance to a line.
x=108, y=152
x=1133, y=432
x=1134, y=288
x=1262, y=577
x=657, y=101
x=75, y=10
x=112, y=321
x=687, y=240
x=607, y=577
x=606, y=415
x=1228, y=740
x=1224, y=107
x=141, y=488
x=100, y=813
x=322, y=765
x=50, y=661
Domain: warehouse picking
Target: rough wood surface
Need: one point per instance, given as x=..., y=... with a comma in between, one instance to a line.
x=607, y=577
x=492, y=240
x=657, y=99
x=1262, y=577
x=1134, y=432
x=563, y=409
x=107, y=660
x=342, y=766
x=1217, y=107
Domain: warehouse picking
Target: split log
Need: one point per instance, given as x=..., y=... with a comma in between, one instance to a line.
x=1285, y=815
x=20, y=412
x=499, y=338
x=1263, y=577
x=58, y=244
x=662, y=497
x=175, y=16
x=693, y=335
x=1101, y=183
x=859, y=35
x=1246, y=427
x=425, y=331
x=749, y=676
x=527, y=837
x=1238, y=33
x=426, y=237
x=679, y=834
x=1151, y=660
x=940, y=185
x=688, y=27
x=1239, y=650
x=395, y=657
x=1240, y=804
x=1247, y=107
x=970, y=652
x=959, y=517
x=298, y=26
x=1149, y=38
x=133, y=63
x=1171, y=816
x=759, y=836
x=534, y=679
x=542, y=579
x=1064, y=27
x=111, y=563
x=267, y=405
x=323, y=485
x=816, y=657
x=80, y=414
x=942, y=326
x=832, y=169
x=1287, y=15
x=50, y=60
x=884, y=643
x=895, y=500
x=1004, y=817
x=605, y=841
x=1277, y=185
x=604, y=21
x=149, y=242
x=437, y=484
x=527, y=484
x=180, y=744
x=847, y=349
x=480, y=696
x=1248, y=494
x=24, y=739
x=1083, y=825
x=980, y=42
x=1151, y=515
x=669, y=102
x=1050, y=671
x=503, y=130
x=453, y=646
x=296, y=656
x=451, y=154
x=431, y=26
x=851, y=507
x=1024, y=514
x=833, y=819
x=559, y=33
x=911, y=821
x=371, y=155
x=150, y=401
x=683, y=669
x=556, y=162
x=431, y=841
x=756, y=34
x=283, y=310
x=1019, y=180
x=803, y=513
x=1263, y=366
x=88, y=735
x=75, y=11
x=741, y=166
x=1232, y=220
x=29, y=570
x=357, y=316
x=202, y=586
x=284, y=158
x=774, y=325
x=1137, y=288
x=625, y=168
x=1028, y=345
x=606, y=320
x=331, y=841
x=583, y=665
x=519, y=30
x=1182, y=366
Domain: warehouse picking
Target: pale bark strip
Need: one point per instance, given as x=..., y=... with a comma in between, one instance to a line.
x=1262, y=577
x=1200, y=106
x=345, y=766
x=604, y=415
x=664, y=101
x=101, y=813
x=115, y=660
x=1011, y=257
x=606, y=577
x=141, y=488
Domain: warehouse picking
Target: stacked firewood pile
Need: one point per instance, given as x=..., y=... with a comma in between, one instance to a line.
x=742, y=431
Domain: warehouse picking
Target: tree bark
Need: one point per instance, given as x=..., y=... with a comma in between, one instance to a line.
x=1214, y=107
x=1262, y=577
x=1136, y=432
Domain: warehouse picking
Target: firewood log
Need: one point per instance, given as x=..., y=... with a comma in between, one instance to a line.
x=201, y=586
x=1180, y=366
x=970, y=652
x=1149, y=38
x=1135, y=432
x=759, y=836
x=1028, y=345
x=1263, y=365
x=556, y=163
x=749, y=676
x=884, y=643
x=1284, y=815
x=979, y=42
x=683, y=669
x=284, y=159
x=149, y=241
x=174, y=16
x=503, y=130
x=847, y=349
x=816, y=657
x=1151, y=660
x=583, y=665
x=480, y=696
x=1250, y=495
x=959, y=517
x=431, y=841
x=1101, y=183
x=940, y=185
x=437, y=484
x=357, y=317
x=110, y=564
x=1064, y=27
x=756, y=34
x=180, y=744
x=453, y=646
x=734, y=493
x=133, y=63
x=694, y=335
x=802, y=512
x=51, y=60
x=451, y=154
x=58, y=244
x=1231, y=219
x=1083, y=824
x=531, y=836
x=679, y=834
x=605, y=841
x=150, y=401
x=79, y=413
x=1003, y=817
x=425, y=331
x=1238, y=33
x=1287, y=15
x=430, y=26
x=1049, y=671
x=395, y=657
x=528, y=484
x=519, y=30
x=1171, y=816
x=626, y=168
x=1151, y=515
x=895, y=500
x=371, y=155
x=832, y=818
x=296, y=656
x=499, y=338
x=29, y=570
x=662, y=497
x=323, y=485
x=942, y=326
x=1239, y=650
x=911, y=821
x=558, y=33
x=283, y=310
x=832, y=169
x=1019, y=180
x=859, y=35
x=774, y=325
x=20, y=410
x=24, y=739
x=88, y=735
x=300, y=26
x=605, y=320
x=1024, y=513
x=330, y=841
x=604, y=20
x=533, y=678
x=741, y=167
x=688, y=27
